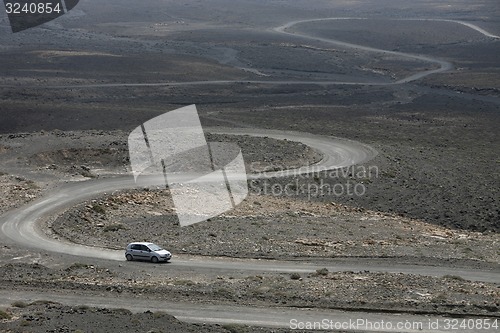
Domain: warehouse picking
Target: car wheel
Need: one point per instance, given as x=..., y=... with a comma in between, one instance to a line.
x=154, y=259
x=129, y=257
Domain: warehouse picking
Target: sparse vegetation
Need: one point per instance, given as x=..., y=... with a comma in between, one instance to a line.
x=224, y=292
x=159, y=314
x=98, y=208
x=122, y=311
x=19, y=304
x=184, y=283
x=32, y=185
x=255, y=278
x=77, y=265
x=114, y=227
x=234, y=328
x=86, y=172
x=389, y=173
x=439, y=298
x=4, y=315
x=24, y=323
x=454, y=277
x=83, y=307
x=41, y=302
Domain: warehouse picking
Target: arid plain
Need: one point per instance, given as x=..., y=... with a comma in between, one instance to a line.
x=415, y=81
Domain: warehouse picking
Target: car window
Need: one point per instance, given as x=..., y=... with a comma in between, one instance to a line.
x=136, y=247
x=155, y=247
x=144, y=248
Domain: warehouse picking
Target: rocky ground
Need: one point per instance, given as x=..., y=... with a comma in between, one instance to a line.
x=268, y=227
x=16, y=191
x=52, y=317
x=322, y=289
x=89, y=154
x=46, y=316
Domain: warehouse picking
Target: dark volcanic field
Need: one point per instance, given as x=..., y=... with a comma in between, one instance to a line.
x=438, y=139
x=72, y=89
x=438, y=154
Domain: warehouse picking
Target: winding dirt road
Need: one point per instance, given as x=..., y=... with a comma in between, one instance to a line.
x=21, y=227
x=255, y=316
x=443, y=65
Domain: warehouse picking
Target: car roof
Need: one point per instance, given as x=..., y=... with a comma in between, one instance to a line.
x=141, y=243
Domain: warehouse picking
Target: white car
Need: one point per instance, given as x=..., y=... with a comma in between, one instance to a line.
x=146, y=251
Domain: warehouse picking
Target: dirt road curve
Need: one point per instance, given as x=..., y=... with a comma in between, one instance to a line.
x=443, y=65
x=256, y=316
x=20, y=226
x=283, y=29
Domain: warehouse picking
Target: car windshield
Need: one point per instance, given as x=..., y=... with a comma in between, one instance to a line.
x=154, y=247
